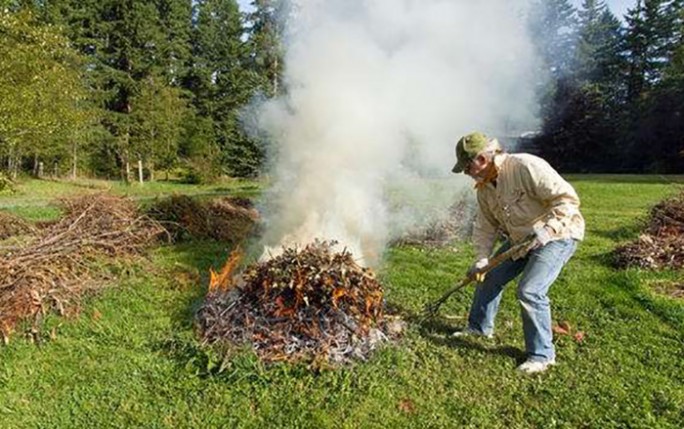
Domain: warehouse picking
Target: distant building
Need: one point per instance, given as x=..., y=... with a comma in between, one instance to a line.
x=517, y=143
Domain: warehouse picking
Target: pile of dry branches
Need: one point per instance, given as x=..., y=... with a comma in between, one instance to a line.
x=311, y=304
x=52, y=271
x=11, y=226
x=229, y=219
x=662, y=245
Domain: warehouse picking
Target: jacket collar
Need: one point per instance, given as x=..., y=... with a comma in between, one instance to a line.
x=498, y=161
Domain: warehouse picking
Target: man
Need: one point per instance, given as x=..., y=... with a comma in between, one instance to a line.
x=519, y=196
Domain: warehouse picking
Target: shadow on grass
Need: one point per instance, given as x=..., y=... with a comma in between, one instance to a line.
x=439, y=333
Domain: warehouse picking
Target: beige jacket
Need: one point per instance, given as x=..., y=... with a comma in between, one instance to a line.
x=528, y=191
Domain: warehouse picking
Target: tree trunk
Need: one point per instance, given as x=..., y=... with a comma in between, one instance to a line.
x=36, y=173
x=140, y=171
x=127, y=171
x=74, y=161
x=275, y=76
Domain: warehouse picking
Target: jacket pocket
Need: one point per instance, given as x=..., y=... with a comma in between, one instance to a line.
x=516, y=208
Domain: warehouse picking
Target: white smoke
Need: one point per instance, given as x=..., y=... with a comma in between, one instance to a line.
x=379, y=91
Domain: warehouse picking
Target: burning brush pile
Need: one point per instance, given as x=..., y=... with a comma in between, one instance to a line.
x=662, y=245
x=311, y=304
x=54, y=269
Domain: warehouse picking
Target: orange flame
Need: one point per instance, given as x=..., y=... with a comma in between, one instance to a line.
x=222, y=280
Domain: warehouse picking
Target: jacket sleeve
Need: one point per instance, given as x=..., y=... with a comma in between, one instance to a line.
x=557, y=195
x=485, y=229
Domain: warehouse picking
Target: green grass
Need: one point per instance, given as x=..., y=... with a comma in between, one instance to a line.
x=131, y=358
x=36, y=199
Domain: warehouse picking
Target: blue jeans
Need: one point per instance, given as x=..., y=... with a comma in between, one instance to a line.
x=539, y=269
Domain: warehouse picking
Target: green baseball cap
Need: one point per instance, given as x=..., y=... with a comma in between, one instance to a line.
x=467, y=148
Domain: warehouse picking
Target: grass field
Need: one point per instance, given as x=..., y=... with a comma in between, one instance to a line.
x=32, y=199
x=131, y=359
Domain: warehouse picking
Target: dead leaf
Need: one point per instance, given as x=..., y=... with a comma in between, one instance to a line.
x=407, y=406
x=96, y=315
x=579, y=337
x=563, y=328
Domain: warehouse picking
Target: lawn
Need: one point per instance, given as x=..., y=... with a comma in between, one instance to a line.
x=33, y=199
x=130, y=359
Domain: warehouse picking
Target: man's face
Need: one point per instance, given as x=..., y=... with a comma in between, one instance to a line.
x=477, y=167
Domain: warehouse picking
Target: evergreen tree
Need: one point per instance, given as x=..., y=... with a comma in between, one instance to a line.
x=176, y=22
x=655, y=134
x=131, y=50
x=652, y=37
x=553, y=27
x=158, y=111
x=599, y=52
x=266, y=31
x=222, y=83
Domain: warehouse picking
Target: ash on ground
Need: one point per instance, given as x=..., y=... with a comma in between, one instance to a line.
x=311, y=304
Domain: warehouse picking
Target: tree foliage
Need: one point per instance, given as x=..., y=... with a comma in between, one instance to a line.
x=617, y=106
x=42, y=99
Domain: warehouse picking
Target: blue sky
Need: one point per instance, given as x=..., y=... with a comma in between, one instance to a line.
x=618, y=7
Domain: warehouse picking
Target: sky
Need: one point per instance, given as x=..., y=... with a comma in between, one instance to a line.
x=618, y=7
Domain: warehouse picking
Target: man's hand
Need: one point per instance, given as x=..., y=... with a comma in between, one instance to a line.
x=474, y=271
x=543, y=234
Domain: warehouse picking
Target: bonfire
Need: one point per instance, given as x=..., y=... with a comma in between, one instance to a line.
x=311, y=304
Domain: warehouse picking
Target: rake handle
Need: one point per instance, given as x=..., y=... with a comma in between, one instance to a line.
x=497, y=260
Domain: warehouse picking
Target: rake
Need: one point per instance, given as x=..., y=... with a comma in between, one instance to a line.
x=431, y=309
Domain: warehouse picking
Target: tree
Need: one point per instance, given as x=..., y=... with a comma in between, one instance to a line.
x=266, y=31
x=599, y=56
x=222, y=83
x=41, y=95
x=655, y=136
x=652, y=37
x=157, y=118
x=131, y=52
x=176, y=22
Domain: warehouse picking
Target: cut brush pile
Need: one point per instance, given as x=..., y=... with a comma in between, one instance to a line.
x=311, y=304
x=11, y=226
x=455, y=224
x=662, y=244
x=229, y=219
x=52, y=271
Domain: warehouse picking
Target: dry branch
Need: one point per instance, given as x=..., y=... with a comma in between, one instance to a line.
x=662, y=245
x=11, y=226
x=229, y=219
x=55, y=269
x=307, y=304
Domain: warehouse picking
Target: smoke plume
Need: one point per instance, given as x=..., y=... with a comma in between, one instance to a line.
x=378, y=92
